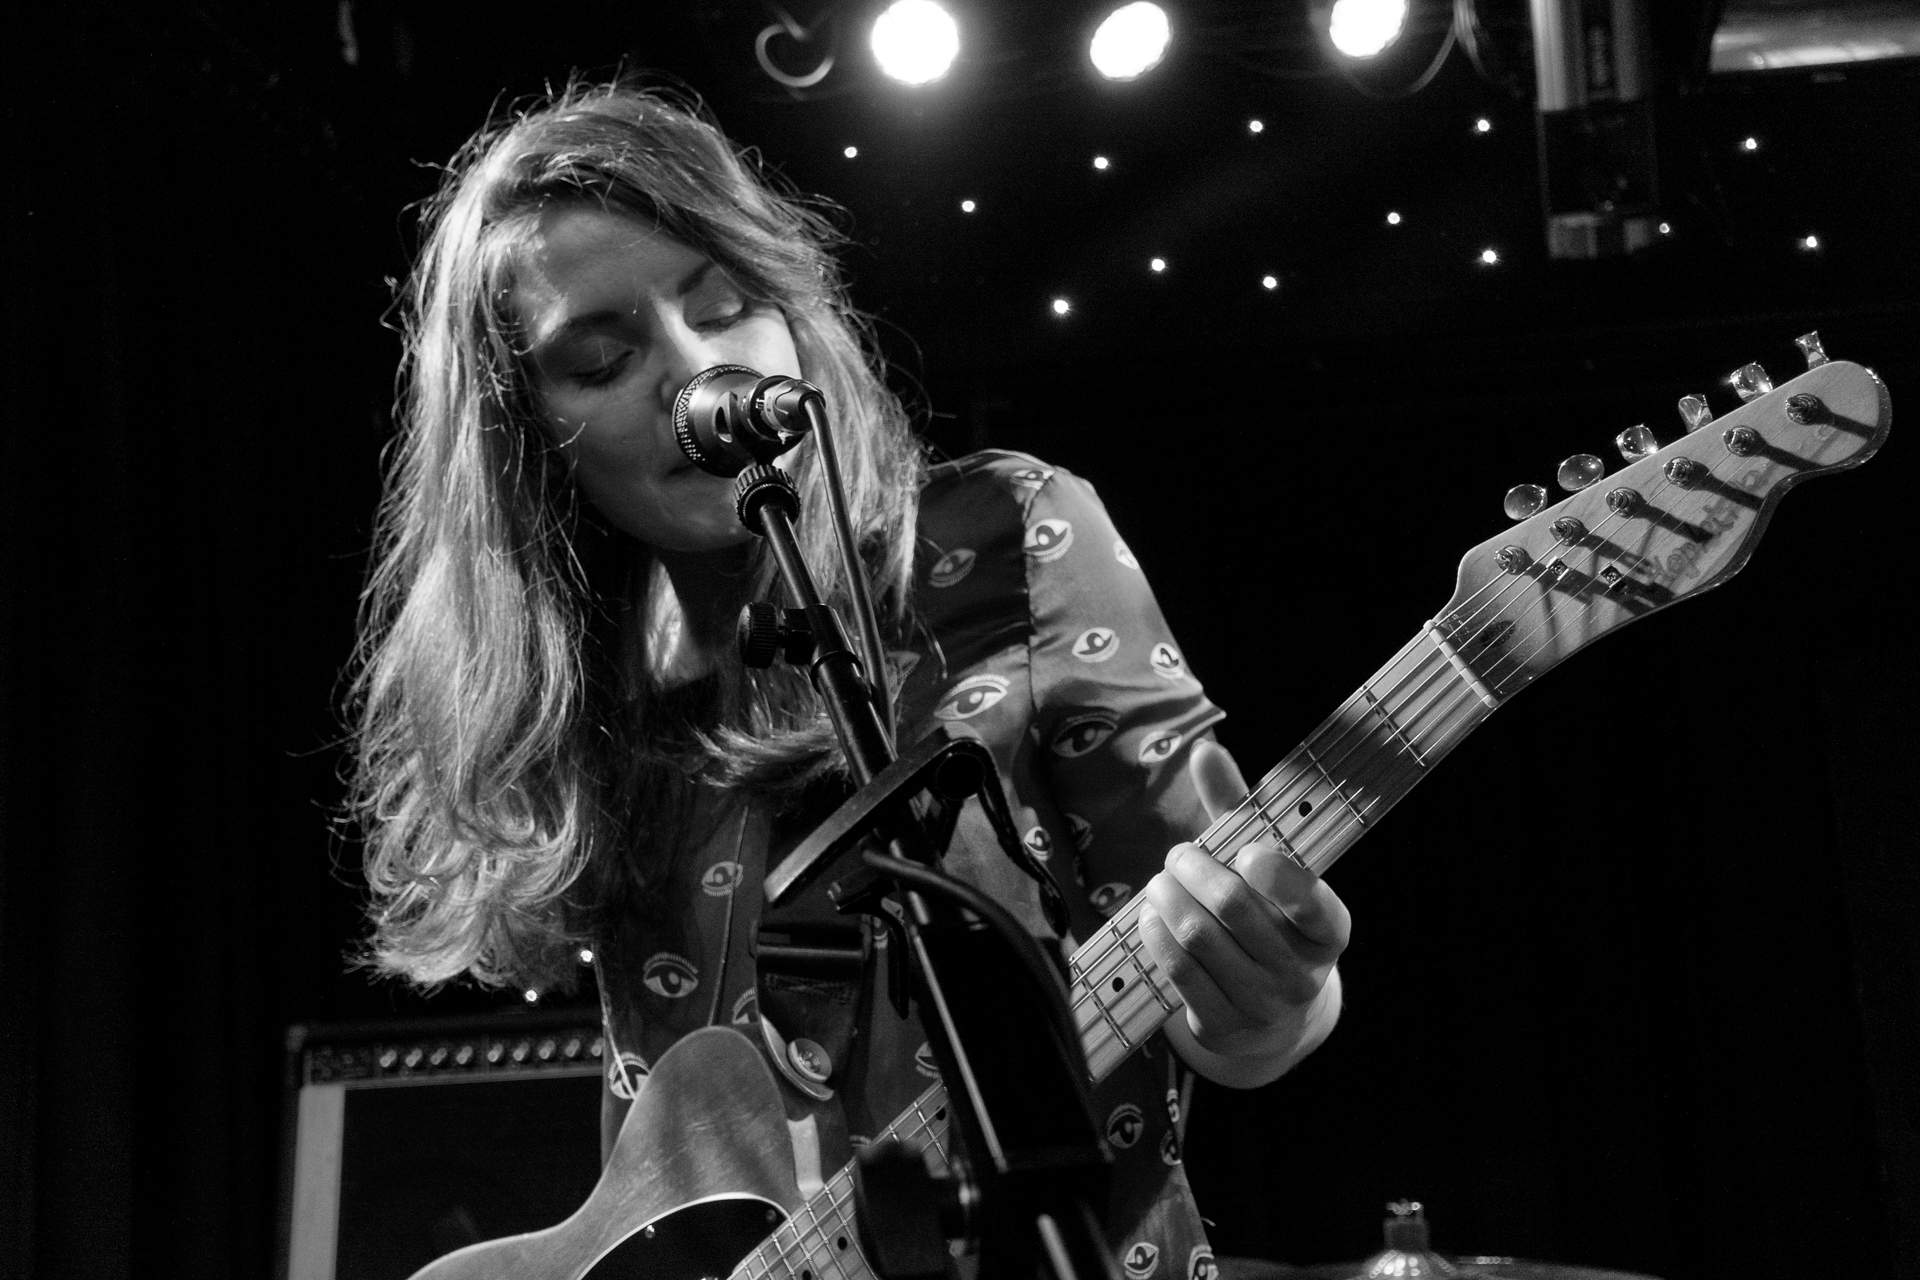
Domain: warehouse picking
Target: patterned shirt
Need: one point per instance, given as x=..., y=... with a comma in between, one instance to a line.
x=1037, y=634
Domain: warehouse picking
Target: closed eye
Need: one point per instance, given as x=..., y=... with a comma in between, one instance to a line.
x=602, y=374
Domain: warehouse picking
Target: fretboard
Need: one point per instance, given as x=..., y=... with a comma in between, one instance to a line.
x=1314, y=805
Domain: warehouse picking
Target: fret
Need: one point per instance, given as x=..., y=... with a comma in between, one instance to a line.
x=1146, y=975
x=1393, y=727
x=1339, y=795
x=815, y=1243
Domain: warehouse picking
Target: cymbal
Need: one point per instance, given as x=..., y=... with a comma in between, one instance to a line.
x=1481, y=1267
x=1525, y=1269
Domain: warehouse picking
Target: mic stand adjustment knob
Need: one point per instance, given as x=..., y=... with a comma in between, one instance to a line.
x=767, y=631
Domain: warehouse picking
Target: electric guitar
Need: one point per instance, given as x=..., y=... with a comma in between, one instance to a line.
x=701, y=1180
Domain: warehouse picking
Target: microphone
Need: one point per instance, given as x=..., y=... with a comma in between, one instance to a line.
x=729, y=417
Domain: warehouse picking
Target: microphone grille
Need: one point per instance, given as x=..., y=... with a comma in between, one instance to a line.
x=683, y=430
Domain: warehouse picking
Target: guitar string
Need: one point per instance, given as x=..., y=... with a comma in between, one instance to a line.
x=838, y=1194
x=903, y=1132
x=1226, y=831
x=1126, y=927
x=1398, y=724
x=1400, y=733
x=1282, y=789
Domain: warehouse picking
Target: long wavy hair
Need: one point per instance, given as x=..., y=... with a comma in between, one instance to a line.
x=518, y=775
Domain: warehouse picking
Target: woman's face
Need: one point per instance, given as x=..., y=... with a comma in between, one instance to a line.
x=620, y=318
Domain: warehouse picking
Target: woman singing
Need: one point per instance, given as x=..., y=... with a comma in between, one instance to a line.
x=560, y=747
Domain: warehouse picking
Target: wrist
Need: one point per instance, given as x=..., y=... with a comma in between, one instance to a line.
x=1260, y=1057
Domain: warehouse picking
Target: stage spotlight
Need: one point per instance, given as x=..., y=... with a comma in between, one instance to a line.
x=1362, y=28
x=915, y=41
x=1130, y=41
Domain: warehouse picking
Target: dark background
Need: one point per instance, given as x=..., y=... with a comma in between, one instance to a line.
x=1633, y=980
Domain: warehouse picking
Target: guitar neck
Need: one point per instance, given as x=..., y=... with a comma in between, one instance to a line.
x=1314, y=805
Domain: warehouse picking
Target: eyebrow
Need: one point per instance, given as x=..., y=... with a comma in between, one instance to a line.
x=606, y=316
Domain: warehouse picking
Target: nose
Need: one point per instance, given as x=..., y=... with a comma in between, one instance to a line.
x=684, y=351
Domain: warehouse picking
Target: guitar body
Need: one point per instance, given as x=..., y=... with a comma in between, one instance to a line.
x=702, y=1172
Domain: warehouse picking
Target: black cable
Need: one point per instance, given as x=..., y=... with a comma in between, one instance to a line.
x=927, y=880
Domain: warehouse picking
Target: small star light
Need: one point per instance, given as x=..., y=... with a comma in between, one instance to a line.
x=1256, y=126
x=530, y=996
x=851, y=152
x=1489, y=256
x=1749, y=144
x=967, y=206
x=1100, y=162
x=1483, y=125
x=1061, y=306
x=1393, y=219
x=1269, y=282
x=1157, y=265
x=1810, y=244
x=586, y=955
x=1666, y=228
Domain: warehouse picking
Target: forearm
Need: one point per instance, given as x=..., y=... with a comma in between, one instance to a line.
x=1273, y=1055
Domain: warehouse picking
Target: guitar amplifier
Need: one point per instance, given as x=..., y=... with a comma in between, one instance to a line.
x=406, y=1140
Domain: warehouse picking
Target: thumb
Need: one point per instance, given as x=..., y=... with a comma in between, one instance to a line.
x=1216, y=777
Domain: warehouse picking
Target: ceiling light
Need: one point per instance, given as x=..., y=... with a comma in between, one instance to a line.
x=1130, y=41
x=915, y=41
x=1362, y=28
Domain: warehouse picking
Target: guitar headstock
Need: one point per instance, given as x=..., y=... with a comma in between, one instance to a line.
x=1668, y=525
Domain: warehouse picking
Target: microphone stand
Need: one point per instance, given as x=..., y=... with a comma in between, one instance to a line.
x=1031, y=1170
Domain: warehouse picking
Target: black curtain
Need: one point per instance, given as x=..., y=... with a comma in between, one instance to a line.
x=191, y=429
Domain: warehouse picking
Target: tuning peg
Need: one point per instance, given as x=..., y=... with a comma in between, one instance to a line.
x=1809, y=344
x=1524, y=500
x=1579, y=471
x=1635, y=443
x=1751, y=381
x=1695, y=412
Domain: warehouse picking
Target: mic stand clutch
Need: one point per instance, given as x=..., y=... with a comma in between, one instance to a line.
x=1035, y=1168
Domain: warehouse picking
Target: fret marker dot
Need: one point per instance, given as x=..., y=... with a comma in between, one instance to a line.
x=1306, y=807
x=840, y=1242
x=1117, y=984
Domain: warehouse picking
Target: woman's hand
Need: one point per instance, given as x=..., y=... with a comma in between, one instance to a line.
x=1250, y=948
